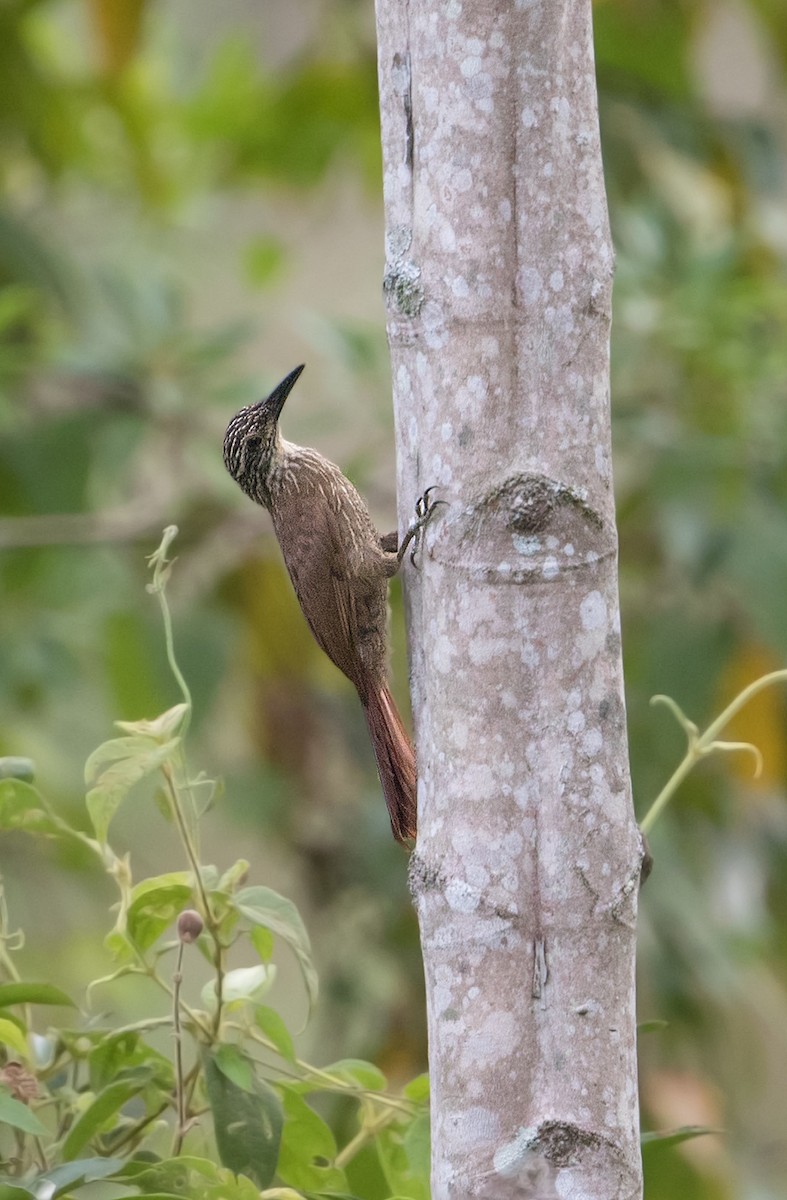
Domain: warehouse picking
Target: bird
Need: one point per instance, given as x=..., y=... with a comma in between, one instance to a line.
x=339, y=566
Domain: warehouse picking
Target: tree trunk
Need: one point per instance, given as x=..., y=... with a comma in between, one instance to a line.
x=526, y=873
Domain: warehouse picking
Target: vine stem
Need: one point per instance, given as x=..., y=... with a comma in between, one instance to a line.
x=702, y=744
x=161, y=569
x=369, y=1130
x=180, y=1087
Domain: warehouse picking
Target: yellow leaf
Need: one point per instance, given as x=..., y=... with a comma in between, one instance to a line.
x=11, y=1035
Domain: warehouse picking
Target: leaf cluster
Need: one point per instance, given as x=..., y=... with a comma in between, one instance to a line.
x=226, y=1108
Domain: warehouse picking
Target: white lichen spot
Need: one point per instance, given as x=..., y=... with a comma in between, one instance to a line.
x=593, y=611
x=447, y=236
x=470, y=66
x=446, y=431
x=592, y=742
x=526, y=544
x=530, y=285
x=576, y=721
x=511, y=1156
x=463, y=180
x=453, y=9
x=548, y=170
x=494, y=1040
x=403, y=378
x=561, y=108
x=461, y=897
x=459, y=287
x=476, y=385
x=550, y=568
x=482, y=650
x=504, y=208
x=442, y=654
x=556, y=281
x=460, y=734
x=504, y=568
x=530, y=656
x=568, y=550
x=528, y=118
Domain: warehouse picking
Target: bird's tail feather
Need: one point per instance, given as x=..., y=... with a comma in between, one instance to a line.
x=395, y=762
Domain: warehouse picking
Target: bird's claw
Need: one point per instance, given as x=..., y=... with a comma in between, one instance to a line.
x=424, y=508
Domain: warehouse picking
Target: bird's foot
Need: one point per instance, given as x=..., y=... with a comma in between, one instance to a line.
x=424, y=508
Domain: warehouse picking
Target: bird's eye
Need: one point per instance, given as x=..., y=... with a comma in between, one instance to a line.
x=253, y=443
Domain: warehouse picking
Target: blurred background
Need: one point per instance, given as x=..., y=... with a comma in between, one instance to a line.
x=190, y=204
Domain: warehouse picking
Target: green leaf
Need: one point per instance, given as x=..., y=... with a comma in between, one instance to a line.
x=275, y=1030
x=242, y=984
x=130, y=759
x=359, y=1073
x=9, y=1191
x=155, y=904
x=262, y=941
x=119, y=1054
x=247, y=1124
x=162, y=728
x=262, y=906
x=189, y=1176
x=21, y=807
x=308, y=1148
x=673, y=1137
x=102, y=1109
x=11, y=1035
x=13, y=1112
x=83, y=1170
x=236, y=1065
x=404, y=1157
x=33, y=993
x=417, y=1089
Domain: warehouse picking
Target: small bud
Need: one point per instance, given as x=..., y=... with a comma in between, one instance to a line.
x=190, y=925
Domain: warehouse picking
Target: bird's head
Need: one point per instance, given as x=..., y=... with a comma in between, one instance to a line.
x=251, y=438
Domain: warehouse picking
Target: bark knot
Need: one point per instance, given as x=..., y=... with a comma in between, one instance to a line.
x=528, y=528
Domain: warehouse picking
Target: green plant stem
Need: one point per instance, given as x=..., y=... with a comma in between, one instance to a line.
x=369, y=1130
x=188, y=843
x=330, y=1083
x=207, y=912
x=702, y=744
x=139, y=1128
x=180, y=1087
x=161, y=569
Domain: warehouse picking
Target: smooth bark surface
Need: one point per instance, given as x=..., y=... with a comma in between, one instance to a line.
x=526, y=872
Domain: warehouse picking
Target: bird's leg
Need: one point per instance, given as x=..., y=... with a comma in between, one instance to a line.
x=424, y=509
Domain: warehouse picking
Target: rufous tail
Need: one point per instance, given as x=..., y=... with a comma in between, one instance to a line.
x=395, y=762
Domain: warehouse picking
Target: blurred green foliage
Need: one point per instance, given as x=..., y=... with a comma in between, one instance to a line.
x=134, y=141
x=96, y=1101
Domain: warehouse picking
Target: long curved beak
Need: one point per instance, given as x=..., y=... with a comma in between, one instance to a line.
x=275, y=402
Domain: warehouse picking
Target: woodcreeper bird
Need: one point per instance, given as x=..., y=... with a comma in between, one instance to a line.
x=339, y=566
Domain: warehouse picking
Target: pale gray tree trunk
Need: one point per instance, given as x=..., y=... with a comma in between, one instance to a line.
x=526, y=873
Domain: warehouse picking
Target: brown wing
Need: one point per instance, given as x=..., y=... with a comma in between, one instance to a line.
x=311, y=542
